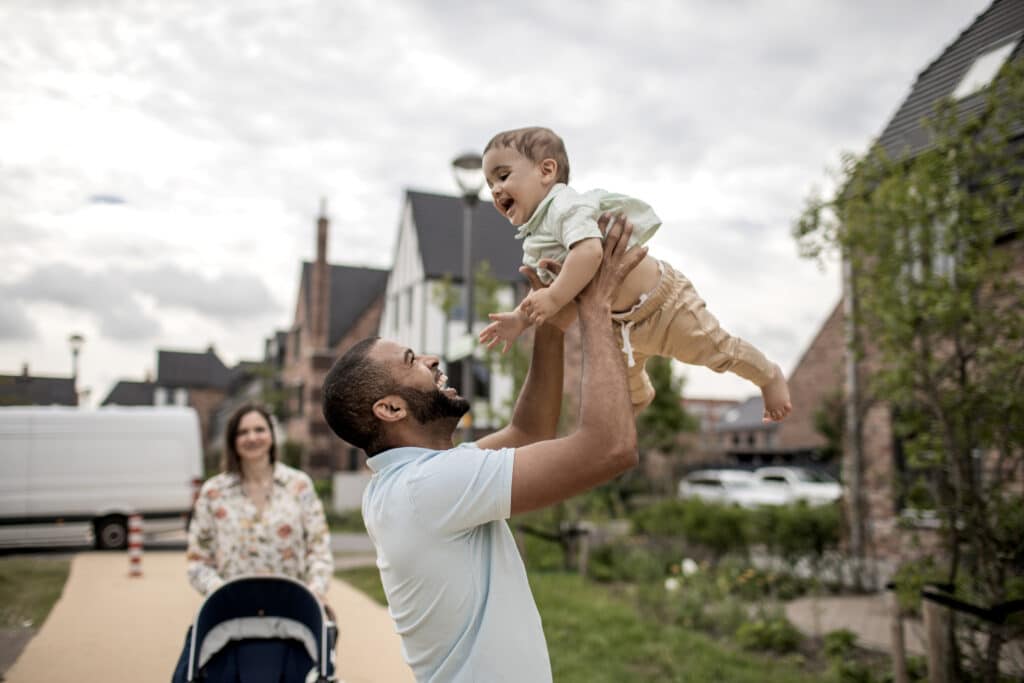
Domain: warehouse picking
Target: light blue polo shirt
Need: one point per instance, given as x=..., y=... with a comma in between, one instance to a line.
x=455, y=583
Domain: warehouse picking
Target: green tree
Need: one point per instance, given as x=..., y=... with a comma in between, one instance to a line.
x=929, y=241
x=660, y=424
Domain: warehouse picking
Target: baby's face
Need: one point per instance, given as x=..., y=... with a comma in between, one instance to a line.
x=517, y=184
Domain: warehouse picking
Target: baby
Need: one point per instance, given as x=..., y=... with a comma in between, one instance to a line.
x=657, y=311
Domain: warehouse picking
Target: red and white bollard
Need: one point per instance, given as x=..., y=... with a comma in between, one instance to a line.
x=135, y=545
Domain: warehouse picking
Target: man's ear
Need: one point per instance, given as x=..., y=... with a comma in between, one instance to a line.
x=391, y=408
x=549, y=169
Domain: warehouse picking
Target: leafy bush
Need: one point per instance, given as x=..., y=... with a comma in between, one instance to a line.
x=623, y=561
x=840, y=643
x=768, y=633
x=720, y=529
x=797, y=531
x=791, y=531
x=291, y=453
x=910, y=578
x=324, y=489
x=839, y=647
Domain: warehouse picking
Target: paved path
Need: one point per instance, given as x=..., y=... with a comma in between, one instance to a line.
x=112, y=628
x=868, y=616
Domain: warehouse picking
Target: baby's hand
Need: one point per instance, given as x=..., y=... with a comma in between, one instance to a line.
x=539, y=305
x=505, y=328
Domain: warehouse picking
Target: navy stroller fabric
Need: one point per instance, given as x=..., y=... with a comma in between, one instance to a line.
x=255, y=601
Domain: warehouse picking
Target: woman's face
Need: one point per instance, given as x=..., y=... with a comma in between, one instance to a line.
x=253, y=438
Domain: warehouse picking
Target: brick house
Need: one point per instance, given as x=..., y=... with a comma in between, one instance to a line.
x=336, y=306
x=32, y=390
x=891, y=530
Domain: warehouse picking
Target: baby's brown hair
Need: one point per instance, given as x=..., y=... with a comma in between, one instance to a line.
x=536, y=144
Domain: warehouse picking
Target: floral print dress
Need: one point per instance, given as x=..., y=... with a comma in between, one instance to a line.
x=230, y=537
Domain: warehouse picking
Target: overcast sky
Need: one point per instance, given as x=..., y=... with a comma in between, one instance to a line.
x=161, y=161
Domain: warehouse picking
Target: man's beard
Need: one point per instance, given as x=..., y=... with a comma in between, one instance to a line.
x=432, y=405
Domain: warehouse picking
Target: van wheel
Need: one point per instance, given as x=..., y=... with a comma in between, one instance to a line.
x=111, y=533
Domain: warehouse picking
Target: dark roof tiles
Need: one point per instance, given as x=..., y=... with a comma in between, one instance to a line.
x=128, y=393
x=191, y=370
x=21, y=390
x=353, y=290
x=438, y=219
x=1002, y=22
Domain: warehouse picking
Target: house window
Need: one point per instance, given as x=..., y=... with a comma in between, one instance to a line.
x=300, y=408
x=983, y=70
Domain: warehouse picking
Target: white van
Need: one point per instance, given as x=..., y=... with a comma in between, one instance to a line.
x=74, y=474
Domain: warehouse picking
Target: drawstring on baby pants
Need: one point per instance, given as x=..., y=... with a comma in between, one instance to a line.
x=627, y=347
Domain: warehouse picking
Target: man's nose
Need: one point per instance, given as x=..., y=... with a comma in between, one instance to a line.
x=431, y=361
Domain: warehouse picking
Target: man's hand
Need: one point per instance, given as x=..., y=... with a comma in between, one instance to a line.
x=617, y=263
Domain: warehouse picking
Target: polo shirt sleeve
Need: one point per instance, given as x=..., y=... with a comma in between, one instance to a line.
x=463, y=488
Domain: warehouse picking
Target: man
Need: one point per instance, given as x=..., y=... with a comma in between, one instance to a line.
x=455, y=583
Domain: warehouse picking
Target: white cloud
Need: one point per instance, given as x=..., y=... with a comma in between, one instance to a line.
x=222, y=126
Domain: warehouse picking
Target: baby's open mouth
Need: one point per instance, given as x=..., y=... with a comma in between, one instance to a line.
x=506, y=206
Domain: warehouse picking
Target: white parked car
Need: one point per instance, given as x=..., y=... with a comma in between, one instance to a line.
x=783, y=485
x=718, y=486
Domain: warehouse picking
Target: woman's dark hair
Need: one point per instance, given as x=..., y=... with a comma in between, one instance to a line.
x=231, y=462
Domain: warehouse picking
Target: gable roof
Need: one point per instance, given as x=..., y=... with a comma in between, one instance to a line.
x=353, y=290
x=191, y=370
x=129, y=393
x=1002, y=22
x=438, y=219
x=27, y=390
x=744, y=417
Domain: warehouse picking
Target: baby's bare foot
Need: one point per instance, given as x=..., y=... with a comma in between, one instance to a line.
x=776, y=398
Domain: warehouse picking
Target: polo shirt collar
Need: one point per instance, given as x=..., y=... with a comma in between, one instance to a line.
x=396, y=456
x=530, y=226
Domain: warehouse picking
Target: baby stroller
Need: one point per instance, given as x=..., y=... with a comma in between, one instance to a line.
x=259, y=629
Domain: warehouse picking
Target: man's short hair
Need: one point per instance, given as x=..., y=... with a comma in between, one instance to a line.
x=353, y=384
x=536, y=144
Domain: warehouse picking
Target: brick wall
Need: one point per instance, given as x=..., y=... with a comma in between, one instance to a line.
x=818, y=375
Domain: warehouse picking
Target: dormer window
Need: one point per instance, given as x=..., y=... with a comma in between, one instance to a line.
x=985, y=67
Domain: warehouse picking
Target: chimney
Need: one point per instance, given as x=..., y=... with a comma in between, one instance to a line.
x=320, y=285
x=24, y=370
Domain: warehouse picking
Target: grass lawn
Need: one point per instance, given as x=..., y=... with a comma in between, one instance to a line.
x=595, y=635
x=28, y=588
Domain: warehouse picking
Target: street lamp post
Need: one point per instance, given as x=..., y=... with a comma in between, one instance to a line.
x=468, y=176
x=75, y=341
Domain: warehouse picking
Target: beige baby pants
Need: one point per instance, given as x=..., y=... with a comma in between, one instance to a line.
x=672, y=321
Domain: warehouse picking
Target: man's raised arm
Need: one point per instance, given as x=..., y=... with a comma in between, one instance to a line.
x=604, y=444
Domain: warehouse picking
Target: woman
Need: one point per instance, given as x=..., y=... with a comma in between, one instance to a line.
x=258, y=516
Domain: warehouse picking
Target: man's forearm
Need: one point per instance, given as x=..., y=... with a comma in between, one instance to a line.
x=540, y=401
x=605, y=409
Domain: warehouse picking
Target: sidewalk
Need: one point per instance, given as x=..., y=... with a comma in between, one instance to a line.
x=112, y=628
x=868, y=616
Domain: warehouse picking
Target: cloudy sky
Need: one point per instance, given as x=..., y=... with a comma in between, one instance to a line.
x=161, y=161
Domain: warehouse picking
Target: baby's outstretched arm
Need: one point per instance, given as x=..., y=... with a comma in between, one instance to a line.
x=506, y=327
x=580, y=265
